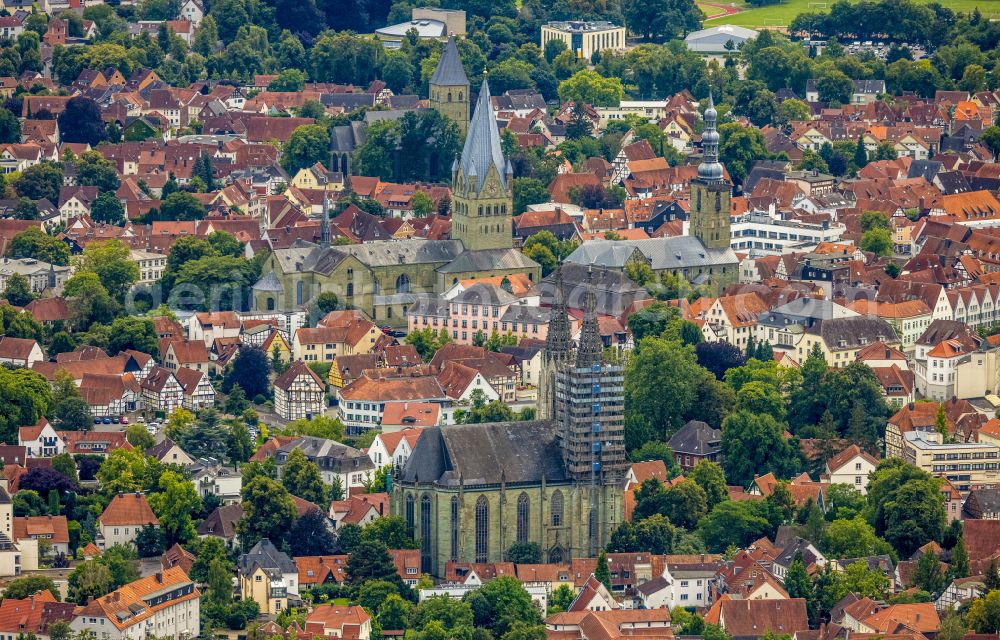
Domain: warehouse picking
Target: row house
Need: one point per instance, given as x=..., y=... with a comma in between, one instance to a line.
x=198, y=390
x=299, y=393
x=110, y=394
x=732, y=319
x=163, y=605
x=339, y=333
x=20, y=352
x=190, y=354
x=207, y=326
x=361, y=404
x=394, y=448
x=161, y=392
x=939, y=351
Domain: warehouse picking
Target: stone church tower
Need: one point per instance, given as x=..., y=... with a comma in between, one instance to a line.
x=710, y=191
x=449, y=88
x=556, y=352
x=481, y=184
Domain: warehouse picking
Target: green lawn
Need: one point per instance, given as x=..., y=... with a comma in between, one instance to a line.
x=777, y=15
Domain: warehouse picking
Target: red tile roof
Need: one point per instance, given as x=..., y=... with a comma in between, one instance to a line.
x=130, y=509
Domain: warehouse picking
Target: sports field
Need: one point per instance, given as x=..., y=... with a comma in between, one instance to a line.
x=779, y=15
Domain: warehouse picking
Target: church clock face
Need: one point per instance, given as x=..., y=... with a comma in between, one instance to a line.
x=491, y=188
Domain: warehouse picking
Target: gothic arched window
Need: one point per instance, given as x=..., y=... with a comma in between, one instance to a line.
x=482, y=529
x=557, y=509
x=523, y=517
x=409, y=512
x=425, y=534
x=454, y=527
x=403, y=283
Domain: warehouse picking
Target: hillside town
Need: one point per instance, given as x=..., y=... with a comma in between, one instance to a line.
x=499, y=320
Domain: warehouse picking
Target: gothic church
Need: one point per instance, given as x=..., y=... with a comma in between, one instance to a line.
x=470, y=492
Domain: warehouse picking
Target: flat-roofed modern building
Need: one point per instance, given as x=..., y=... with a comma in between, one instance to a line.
x=963, y=464
x=584, y=38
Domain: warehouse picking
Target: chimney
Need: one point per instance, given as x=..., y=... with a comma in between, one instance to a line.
x=159, y=579
x=910, y=406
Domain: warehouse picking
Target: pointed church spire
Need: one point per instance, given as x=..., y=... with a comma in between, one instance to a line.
x=591, y=346
x=449, y=71
x=482, y=148
x=557, y=339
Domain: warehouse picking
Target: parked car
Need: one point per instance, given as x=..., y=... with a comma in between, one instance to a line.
x=97, y=420
x=124, y=419
x=116, y=420
x=106, y=420
x=141, y=419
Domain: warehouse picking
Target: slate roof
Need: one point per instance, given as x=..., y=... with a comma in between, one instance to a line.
x=475, y=454
x=854, y=332
x=221, y=523
x=482, y=148
x=988, y=499
x=675, y=252
x=449, y=71
x=697, y=438
x=268, y=283
x=266, y=556
x=488, y=260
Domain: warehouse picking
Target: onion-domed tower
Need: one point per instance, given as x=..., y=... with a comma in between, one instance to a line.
x=710, y=191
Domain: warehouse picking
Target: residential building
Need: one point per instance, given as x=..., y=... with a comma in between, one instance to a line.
x=40, y=440
x=214, y=479
x=198, y=390
x=612, y=623
x=410, y=415
x=51, y=532
x=151, y=265
x=163, y=605
x=752, y=619
x=299, y=393
x=339, y=333
x=20, y=352
x=192, y=354
x=268, y=577
x=168, y=452
x=360, y=405
x=339, y=621
x=983, y=503
x=394, y=448
x=217, y=324
x=852, y=467
x=124, y=517
x=161, y=391
x=33, y=615
x=336, y=461
x=694, y=442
